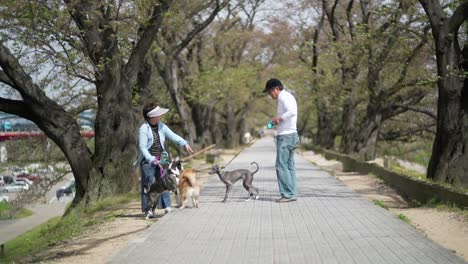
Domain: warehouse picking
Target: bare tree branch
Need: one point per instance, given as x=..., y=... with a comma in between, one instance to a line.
x=176, y=49
x=5, y=79
x=395, y=135
x=418, y=110
x=458, y=17
x=15, y=107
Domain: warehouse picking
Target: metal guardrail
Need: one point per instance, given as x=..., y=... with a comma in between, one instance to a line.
x=20, y=135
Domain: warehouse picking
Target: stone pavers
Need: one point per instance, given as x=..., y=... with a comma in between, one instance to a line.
x=329, y=223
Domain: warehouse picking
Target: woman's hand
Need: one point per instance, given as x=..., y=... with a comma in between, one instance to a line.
x=155, y=162
x=188, y=148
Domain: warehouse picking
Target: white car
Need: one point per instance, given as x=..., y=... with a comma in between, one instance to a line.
x=17, y=171
x=25, y=181
x=14, y=187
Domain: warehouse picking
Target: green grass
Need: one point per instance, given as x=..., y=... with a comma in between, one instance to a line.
x=112, y=202
x=404, y=218
x=443, y=206
x=380, y=203
x=416, y=175
x=6, y=210
x=423, y=158
x=411, y=173
x=60, y=229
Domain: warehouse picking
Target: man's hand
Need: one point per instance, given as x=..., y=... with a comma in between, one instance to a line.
x=276, y=120
x=188, y=148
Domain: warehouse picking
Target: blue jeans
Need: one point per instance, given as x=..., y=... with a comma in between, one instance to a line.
x=148, y=174
x=285, y=166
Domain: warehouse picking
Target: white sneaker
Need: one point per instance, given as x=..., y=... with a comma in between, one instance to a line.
x=167, y=210
x=149, y=215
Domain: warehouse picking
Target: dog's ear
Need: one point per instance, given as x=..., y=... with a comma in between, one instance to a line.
x=178, y=165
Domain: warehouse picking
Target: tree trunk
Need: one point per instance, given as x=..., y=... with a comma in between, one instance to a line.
x=183, y=108
x=115, y=141
x=168, y=67
x=348, y=144
x=369, y=133
x=204, y=117
x=231, y=134
x=449, y=160
x=349, y=73
x=327, y=128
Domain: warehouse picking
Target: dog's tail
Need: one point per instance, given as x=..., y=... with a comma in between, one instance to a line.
x=258, y=167
x=190, y=175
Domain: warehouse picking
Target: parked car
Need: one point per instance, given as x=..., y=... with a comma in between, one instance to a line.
x=4, y=180
x=18, y=171
x=14, y=187
x=67, y=189
x=30, y=177
x=24, y=180
x=47, y=170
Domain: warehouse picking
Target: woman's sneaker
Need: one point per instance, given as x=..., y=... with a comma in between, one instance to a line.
x=149, y=215
x=167, y=210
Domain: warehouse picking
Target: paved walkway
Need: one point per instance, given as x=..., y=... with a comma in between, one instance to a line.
x=328, y=224
x=10, y=229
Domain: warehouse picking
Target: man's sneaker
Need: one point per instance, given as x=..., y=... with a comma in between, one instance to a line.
x=167, y=210
x=285, y=200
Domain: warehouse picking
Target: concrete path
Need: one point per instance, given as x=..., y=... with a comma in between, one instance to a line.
x=328, y=224
x=10, y=229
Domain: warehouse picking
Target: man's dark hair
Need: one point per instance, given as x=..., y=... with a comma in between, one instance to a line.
x=272, y=83
x=147, y=108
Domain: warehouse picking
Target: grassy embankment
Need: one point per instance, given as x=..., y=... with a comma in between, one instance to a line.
x=5, y=209
x=60, y=229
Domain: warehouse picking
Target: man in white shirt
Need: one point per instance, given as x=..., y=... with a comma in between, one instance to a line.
x=286, y=139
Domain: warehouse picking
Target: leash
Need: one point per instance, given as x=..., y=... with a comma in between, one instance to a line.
x=253, y=139
x=197, y=153
x=248, y=144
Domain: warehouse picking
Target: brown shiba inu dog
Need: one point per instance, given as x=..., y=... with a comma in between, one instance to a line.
x=188, y=187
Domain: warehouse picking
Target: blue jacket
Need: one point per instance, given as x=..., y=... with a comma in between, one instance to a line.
x=145, y=140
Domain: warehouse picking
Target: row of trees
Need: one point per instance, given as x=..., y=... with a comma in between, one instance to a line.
x=363, y=72
x=374, y=78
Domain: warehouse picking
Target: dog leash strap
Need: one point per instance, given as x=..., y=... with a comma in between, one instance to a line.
x=240, y=151
x=207, y=168
x=161, y=170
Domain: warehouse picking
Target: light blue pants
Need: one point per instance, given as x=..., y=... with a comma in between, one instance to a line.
x=285, y=166
x=148, y=174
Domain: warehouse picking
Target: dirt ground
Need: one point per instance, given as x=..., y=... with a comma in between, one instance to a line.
x=99, y=245
x=447, y=228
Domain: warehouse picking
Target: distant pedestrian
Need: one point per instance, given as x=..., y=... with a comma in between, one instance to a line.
x=58, y=194
x=286, y=139
x=151, y=137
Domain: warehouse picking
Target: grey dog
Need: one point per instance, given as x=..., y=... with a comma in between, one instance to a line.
x=231, y=177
